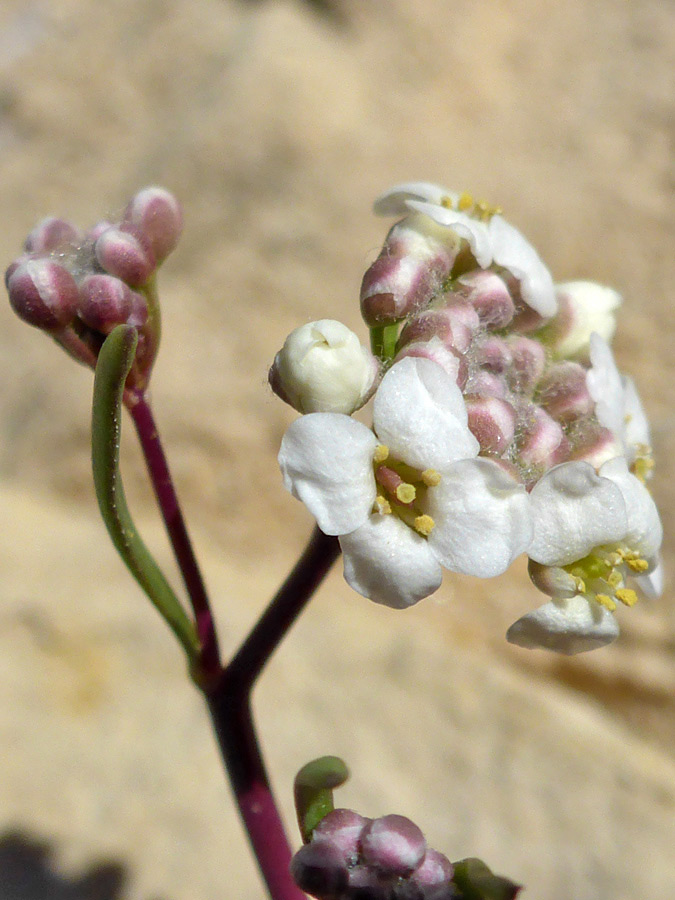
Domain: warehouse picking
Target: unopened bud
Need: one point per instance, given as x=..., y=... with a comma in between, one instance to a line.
x=138, y=315
x=125, y=252
x=318, y=869
x=49, y=234
x=541, y=437
x=583, y=307
x=105, y=302
x=158, y=215
x=43, y=293
x=323, y=367
x=486, y=384
x=563, y=392
x=528, y=363
x=344, y=829
x=492, y=422
x=434, y=349
x=493, y=354
x=435, y=871
x=489, y=296
x=593, y=443
x=393, y=844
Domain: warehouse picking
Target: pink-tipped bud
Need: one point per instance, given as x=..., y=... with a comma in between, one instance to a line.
x=563, y=392
x=138, y=314
x=105, y=302
x=492, y=422
x=455, y=365
x=493, y=355
x=540, y=439
x=436, y=870
x=318, y=869
x=125, y=252
x=158, y=214
x=489, y=296
x=43, y=293
x=529, y=362
x=593, y=443
x=49, y=234
x=344, y=829
x=486, y=384
x=95, y=232
x=394, y=845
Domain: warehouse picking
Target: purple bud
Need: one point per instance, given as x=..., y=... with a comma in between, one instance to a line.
x=138, y=315
x=318, y=869
x=49, y=234
x=563, y=392
x=95, y=232
x=105, y=302
x=394, y=287
x=435, y=870
x=455, y=365
x=364, y=884
x=489, y=296
x=529, y=362
x=343, y=828
x=125, y=252
x=158, y=214
x=43, y=293
x=540, y=439
x=393, y=844
x=486, y=384
x=492, y=422
x=493, y=354
x=593, y=443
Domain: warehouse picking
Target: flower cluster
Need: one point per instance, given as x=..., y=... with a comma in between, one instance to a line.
x=351, y=857
x=500, y=426
x=78, y=286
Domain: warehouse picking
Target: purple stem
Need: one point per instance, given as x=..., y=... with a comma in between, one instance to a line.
x=230, y=707
x=162, y=483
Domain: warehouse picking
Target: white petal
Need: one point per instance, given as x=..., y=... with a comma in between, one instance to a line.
x=574, y=510
x=326, y=460
x=651, y=585
x=394, y=201
x=420, y=414
x=482, y=518
x=390, y=563
x=635, y=424
x=604, y=385
x=644, y=530
x=472, y=230
x=566, y=626
x=513, y=252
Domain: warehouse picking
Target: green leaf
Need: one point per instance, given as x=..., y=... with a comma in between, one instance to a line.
x=114, y=363
x=313, y=790
x=477, y=882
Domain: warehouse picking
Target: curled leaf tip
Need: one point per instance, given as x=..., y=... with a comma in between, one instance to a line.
x=313, y=789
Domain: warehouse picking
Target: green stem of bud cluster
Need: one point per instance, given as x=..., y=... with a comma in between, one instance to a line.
x=383, y=341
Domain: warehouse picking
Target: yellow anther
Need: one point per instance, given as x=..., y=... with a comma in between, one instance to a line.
x=465, y=202
x=625, y=595
x=606, y=601
x=381, y=453
x=579, y=584
x=637, y=565
x=382, y=506
x=405, y=492
x=614, y=559
x=642, y=468
x=424, y=525
x=431, y=477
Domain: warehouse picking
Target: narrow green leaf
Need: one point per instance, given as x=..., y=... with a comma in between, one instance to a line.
x=313, y=791
x=114, y=362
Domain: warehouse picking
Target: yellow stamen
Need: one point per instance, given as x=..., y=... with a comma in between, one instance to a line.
x=465, y=202
x=431, y=477
x=405, y=492
x=625, y=595
x=381, y=453
x=606, y=601
x=382, y=506
x=424, y=525
x=446, y=202
x=637, y=565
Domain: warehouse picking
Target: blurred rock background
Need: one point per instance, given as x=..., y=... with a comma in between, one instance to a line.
x=276, y=123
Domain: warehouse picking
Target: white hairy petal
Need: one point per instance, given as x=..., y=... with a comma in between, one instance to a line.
x=482, y=518
x=420, y=414
x=574, y=510
x=394, y=202
x=651, y=584
x=473, y=231
x=635, y=424
x=645, y=531
x=604, y=385
x=389, y=563
x=513, y=252
x=566, y=626
x=326, y=461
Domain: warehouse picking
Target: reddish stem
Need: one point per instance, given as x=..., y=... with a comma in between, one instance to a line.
x=162, y=483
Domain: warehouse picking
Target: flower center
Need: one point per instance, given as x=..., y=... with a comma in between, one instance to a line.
x=403, y=490
x=477, y=209
x=602, y=575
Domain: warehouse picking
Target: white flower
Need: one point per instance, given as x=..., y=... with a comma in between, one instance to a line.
x=591, y=531
x=492, y=242
x=584, y=307
x=409, y=496
x=323, y=367
x=618, y=407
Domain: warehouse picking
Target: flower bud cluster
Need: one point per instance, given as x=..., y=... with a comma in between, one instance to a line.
x=79, y=286
x=351, y=857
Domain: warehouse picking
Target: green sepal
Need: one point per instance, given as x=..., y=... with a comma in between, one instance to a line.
x=477, y=882
x=115, y=360
x=313, y=791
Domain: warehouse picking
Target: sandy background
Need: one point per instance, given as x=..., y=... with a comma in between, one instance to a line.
x=276, y=123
